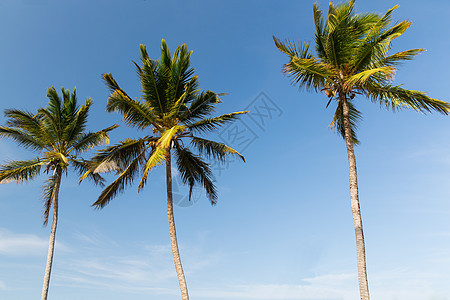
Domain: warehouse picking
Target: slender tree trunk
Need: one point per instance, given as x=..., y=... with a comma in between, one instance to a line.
x=360, y=247
x=173, y=232
x=51, y=246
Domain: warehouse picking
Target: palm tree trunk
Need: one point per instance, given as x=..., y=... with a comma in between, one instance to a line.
x=360, y=247
x=173, y=232
x=51, y=246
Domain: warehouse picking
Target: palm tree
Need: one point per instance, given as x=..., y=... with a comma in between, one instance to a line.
x=172, y=113
x=58, y=133
x=352, y=59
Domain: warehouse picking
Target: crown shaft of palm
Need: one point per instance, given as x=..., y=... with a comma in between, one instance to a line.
x=352, y=58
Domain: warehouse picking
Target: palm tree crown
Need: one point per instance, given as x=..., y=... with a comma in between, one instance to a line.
x=59, y=133
x=353, y=59
x=171, y=110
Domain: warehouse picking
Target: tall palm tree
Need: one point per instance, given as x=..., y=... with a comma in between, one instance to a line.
x=58, y=132
x=172, y=114
x=352, y=59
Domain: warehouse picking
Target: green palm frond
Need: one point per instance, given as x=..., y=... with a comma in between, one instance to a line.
x=399, y=57
x=54, y=108
x=125, y=178
x=309, y=73
x=396, y=98
x=189, y=94
x=206, y=125
x=157, y=157
x=153, y=84
x=300, y=50
x=118, y=157
x=180, y=73
x=203, y=105
x=214, y=150
x=135, y=113
x=28, y=122
x=22, y=138
x=91, y=140
x=194, y=170
x=20, y=171
x=78, y=122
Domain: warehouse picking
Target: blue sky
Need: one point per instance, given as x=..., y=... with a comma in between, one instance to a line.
x=282, y=228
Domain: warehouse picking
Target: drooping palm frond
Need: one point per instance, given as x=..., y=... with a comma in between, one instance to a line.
x=396, y=98
x=125, y=178
x=214, y=150
x=194, y=170
x=118, y=157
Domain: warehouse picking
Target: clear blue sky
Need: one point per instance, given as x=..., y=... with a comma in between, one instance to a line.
x=282, y=228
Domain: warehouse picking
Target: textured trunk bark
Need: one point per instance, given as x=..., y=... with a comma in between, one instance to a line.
x=51, y=243
x=173, y=233
x=360, y=247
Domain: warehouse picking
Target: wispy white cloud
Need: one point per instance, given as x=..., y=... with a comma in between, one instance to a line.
x=332, y=286
x=22, y=244
x=2, y=286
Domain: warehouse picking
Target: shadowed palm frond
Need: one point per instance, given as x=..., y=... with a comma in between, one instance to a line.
x=194, y=170
x=125, y=178
x=118, y=157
